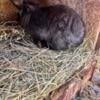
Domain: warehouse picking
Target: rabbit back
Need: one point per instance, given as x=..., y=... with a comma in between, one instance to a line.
x=58, y=27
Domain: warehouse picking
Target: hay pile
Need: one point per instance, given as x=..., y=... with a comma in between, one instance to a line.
x=30, y=73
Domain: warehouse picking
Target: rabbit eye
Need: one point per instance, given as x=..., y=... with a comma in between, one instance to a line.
x=27, y=9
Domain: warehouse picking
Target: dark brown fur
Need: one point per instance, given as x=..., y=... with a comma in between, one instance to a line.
x=56, y=27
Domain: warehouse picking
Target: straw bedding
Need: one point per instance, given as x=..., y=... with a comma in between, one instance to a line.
x=30, y=73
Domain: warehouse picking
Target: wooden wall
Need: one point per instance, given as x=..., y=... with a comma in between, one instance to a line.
x=7, y=11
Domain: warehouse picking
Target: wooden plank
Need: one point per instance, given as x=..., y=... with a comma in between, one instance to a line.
x=97, y=39
x=70, y=88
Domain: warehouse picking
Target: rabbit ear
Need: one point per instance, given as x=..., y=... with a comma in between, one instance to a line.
x=17, y=3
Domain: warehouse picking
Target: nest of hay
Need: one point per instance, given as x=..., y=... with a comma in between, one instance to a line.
x=30, y=73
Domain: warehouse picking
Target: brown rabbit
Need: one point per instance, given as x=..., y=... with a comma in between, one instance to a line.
x=57, y=27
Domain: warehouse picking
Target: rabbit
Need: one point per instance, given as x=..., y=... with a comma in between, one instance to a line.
x=56, y=27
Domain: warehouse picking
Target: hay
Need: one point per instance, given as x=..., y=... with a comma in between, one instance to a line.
x=30, y=73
